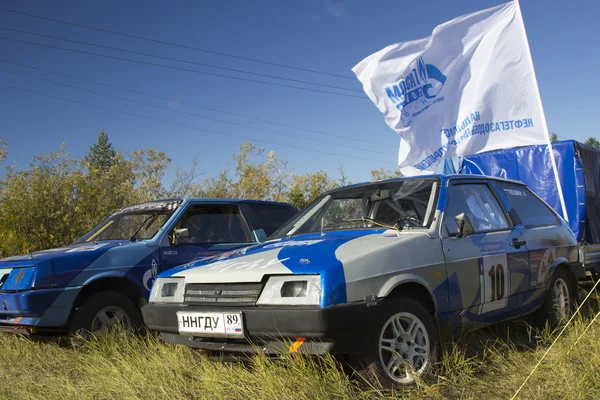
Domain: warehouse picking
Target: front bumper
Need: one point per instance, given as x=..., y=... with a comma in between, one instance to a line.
x=339, y=329
x=30, y=310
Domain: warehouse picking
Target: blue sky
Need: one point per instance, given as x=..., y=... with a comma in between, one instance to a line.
x=329, y=36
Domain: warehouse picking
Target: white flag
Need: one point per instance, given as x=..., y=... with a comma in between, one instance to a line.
x=469, y=87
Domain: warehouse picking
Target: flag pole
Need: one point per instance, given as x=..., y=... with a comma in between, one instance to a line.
x=544, y=124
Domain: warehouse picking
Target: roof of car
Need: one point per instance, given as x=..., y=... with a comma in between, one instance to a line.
x=441, y=177
x=158, y=204
x=217, y=200
x=476, y=177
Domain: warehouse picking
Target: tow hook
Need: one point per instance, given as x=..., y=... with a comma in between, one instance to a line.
x=371, y=300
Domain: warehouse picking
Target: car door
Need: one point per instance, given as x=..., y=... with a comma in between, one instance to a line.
x=546, y=239
x=211, y=229
x=485, y=268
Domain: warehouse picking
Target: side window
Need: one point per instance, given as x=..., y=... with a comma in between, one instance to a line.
x=480, y=205
x=219, y=223
x=531, y=210
x=268, y=217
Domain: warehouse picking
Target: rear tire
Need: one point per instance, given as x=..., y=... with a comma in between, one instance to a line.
x=560, y=300
x=103, y=311
x=403, y=346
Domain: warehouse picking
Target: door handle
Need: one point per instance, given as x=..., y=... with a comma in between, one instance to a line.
x=516, y=243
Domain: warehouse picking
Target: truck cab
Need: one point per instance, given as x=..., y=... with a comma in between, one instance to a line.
x=105, y=276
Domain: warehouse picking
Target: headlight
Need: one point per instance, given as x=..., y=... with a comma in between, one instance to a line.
x=167, y=290
x=297, y=290
x=19, y=279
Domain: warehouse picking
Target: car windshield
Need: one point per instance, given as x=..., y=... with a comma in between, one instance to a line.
x=139, y=222
x=388, y=204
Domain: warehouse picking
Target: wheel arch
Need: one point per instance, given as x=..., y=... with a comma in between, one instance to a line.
x=413, y=286
x=561, y=263
x=110, y=282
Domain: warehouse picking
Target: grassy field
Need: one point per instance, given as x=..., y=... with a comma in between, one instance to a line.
x=491, y=364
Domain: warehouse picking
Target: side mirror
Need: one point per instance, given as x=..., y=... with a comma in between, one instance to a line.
x=179, y=233
x=465, y=227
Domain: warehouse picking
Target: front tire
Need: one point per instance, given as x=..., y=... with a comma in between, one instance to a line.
x=102, y=311
x=403, y=347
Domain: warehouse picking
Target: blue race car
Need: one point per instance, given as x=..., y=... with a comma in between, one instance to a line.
x=374, y=271
x=105, y=276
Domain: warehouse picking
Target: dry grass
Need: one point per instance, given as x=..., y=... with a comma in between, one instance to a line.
x=488, y=364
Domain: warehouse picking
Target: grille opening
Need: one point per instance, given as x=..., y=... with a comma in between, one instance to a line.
x=245, y=294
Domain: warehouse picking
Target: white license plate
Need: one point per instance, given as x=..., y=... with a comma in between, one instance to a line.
x=211, y=323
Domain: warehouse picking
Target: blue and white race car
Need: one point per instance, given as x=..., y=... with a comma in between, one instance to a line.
x=105, y=276
x=374, y=271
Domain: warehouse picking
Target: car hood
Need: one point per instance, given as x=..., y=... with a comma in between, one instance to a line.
x=305, y=254
x=74, y=250
x=73, y=265
x=334, y=256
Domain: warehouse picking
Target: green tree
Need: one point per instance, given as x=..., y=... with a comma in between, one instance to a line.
x=381, y=174
x=265, y=179
x=58, y=198
x=101, y=155
x=3, y=149
x=185, y=182
x=343, y=179
x=39, y=205
x=554, y=137
x=307, y=187
x=259, y=175
x=148, y=167
x=592, y=141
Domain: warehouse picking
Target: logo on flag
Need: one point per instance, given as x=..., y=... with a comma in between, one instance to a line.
x=414, y=93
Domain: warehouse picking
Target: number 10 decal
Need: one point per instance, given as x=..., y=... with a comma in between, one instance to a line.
x=494, y=280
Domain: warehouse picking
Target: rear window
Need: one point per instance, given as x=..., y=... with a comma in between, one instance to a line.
x=531, y=210
x=268, y=217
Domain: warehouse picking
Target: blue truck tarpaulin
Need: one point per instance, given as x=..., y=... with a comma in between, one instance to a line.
x=579, y=173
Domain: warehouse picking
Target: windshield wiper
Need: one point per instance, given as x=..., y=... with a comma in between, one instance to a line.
x=150, y=221
x=395, y=227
